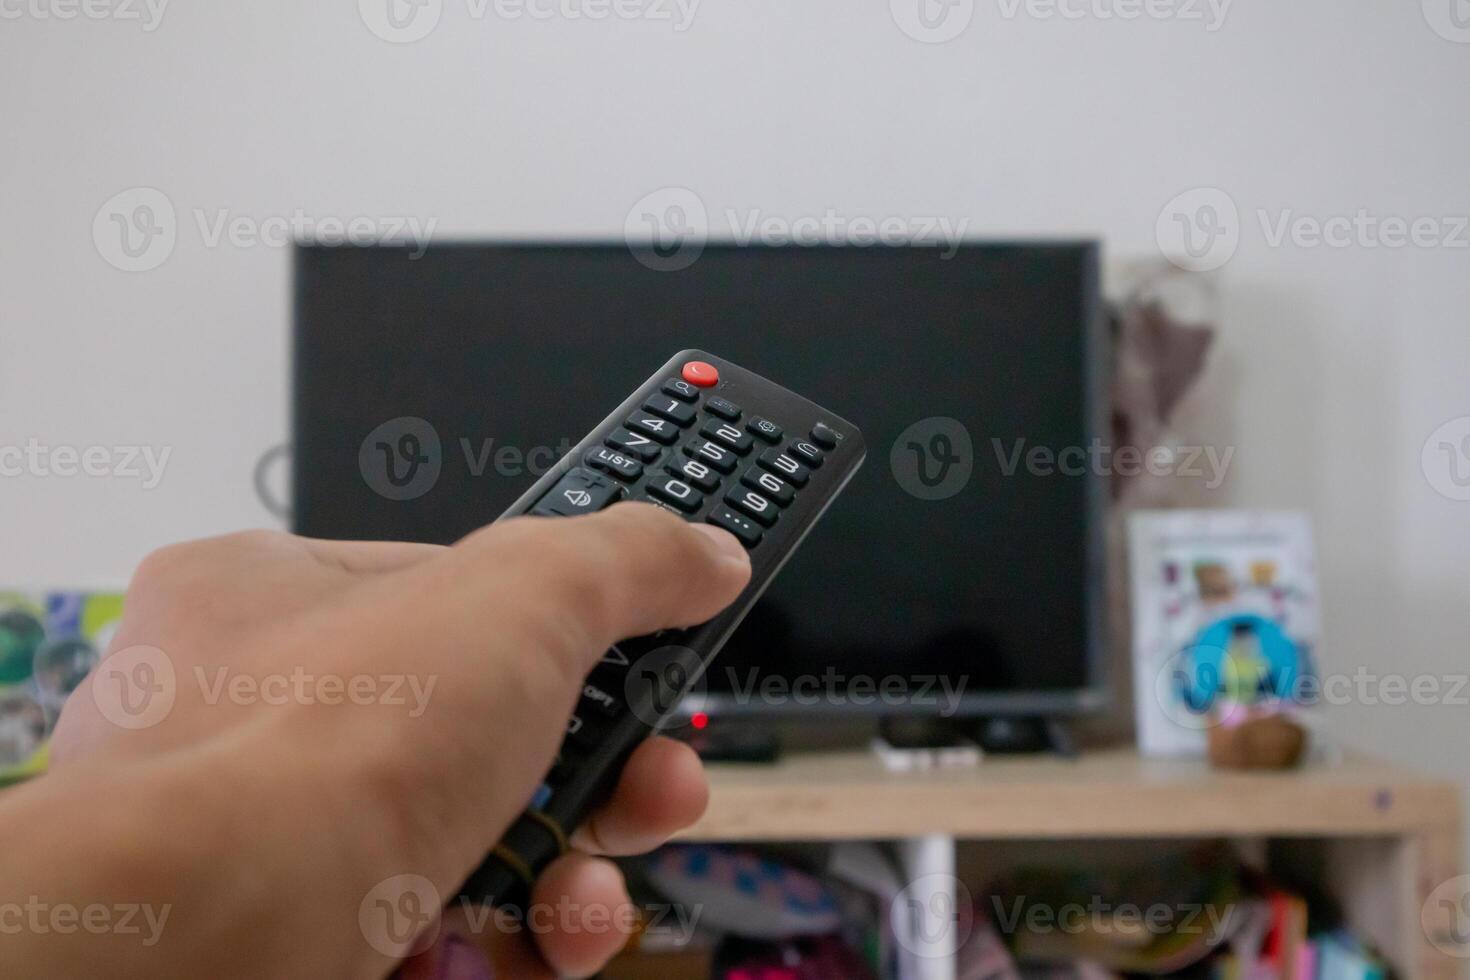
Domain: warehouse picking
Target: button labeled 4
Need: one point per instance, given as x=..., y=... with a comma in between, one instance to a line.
x=661, y=429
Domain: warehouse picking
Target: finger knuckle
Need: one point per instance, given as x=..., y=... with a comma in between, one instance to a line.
x=163, y=565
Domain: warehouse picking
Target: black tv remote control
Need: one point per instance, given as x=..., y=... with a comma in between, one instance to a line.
x=712, y=442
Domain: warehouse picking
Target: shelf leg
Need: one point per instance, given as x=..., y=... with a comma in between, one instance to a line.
x=930, y=905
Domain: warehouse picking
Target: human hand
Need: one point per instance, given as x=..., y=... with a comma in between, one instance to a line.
x=493, y=636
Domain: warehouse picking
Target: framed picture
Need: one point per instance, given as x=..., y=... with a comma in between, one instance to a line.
x=1225, y=620
x=49, y=642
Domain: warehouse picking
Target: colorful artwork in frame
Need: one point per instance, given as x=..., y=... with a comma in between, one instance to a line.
x=1225, y=621
x=49, y=642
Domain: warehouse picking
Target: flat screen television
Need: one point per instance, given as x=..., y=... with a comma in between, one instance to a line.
x=957, y=574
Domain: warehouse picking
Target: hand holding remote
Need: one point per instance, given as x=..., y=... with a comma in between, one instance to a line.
x=314, y=803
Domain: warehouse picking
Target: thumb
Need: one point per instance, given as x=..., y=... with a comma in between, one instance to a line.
x=630, y=570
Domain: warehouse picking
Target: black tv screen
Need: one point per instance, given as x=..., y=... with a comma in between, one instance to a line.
x=953, y=574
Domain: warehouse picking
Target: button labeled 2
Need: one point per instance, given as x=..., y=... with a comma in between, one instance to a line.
x=728, y=434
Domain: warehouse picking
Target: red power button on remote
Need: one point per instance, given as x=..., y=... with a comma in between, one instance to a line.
x=700, y=374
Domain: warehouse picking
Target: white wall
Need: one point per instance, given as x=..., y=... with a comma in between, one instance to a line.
x=1333, y=368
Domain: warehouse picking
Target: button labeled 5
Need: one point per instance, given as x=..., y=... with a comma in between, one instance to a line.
x=710, y=454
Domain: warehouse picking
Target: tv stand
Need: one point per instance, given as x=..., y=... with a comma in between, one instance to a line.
x=1376, y=839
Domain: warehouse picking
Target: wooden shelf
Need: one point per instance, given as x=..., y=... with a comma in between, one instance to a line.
x=1378, y=838
x=1106, y=794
